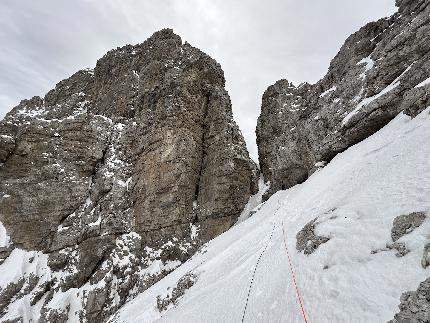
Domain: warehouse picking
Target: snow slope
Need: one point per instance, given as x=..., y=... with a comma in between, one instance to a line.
x=355, y=197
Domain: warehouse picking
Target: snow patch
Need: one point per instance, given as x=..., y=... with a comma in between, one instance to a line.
x=320, y=164
x=328, y=91
x=194, y=231
x=369, y=64
x=96, y=223
x=157, y=267
x=4, y=238
x=423, y=83
x=254, y=202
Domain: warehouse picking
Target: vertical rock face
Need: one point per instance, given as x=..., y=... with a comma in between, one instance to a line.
x=381, y=70
x=133, y=164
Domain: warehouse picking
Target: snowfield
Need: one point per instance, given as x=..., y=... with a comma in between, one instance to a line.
x=351, y=278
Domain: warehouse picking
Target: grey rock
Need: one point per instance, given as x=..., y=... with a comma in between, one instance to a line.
x=306, y=239
x=7, y=293
x=415, y=306
x=95, y=303
x=425, y=261
x=400, y=247
x=184, y=283
x=405, y=224
x=16, y=320
x=370, y=81
x=133, y=156
x=55, y=315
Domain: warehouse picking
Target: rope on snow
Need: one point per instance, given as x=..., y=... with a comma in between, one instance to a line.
x=299, y=298
x=255, y=270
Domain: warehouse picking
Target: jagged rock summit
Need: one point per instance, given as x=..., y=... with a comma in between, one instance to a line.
x=381, y=70
x=116, y=177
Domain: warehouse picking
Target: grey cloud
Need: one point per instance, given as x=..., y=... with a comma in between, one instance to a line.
x=256, y=42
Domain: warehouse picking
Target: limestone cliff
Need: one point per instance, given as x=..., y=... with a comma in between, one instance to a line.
x=132, y=165
x=381, y=70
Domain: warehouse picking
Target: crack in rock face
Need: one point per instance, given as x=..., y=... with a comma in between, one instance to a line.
x=118, y=175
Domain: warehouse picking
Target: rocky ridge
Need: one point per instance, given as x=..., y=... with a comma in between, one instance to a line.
x=116, y=177
x=381, y=70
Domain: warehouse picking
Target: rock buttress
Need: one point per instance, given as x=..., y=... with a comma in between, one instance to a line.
x=136, y=163
x=380, y=71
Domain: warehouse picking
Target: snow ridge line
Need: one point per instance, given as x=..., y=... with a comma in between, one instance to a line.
x=255, y=270
x=293, y=274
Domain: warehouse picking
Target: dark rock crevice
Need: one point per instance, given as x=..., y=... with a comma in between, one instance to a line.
x=203, y=150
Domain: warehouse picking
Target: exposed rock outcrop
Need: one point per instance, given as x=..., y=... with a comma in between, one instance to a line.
x=184, y=283
x=381, y=70
x=415, y=306
x=307, y=240
x=406, y=223
x=120, y=169
x=425, y=261
x=400, y=247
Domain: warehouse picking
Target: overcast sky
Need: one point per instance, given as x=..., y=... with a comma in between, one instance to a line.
x=256, y=41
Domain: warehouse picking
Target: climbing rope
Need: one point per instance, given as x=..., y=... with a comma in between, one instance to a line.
x=293, y=275
x=290, y=263
x=255, y=270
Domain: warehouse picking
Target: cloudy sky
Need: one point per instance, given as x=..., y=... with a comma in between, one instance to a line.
x=256, y=41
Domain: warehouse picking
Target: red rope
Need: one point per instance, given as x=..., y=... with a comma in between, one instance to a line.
x=293, y=275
